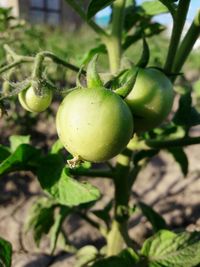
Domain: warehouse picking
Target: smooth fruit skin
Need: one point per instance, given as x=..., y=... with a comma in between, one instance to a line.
x=151, y=99
x=94, y=124
x=34, y=103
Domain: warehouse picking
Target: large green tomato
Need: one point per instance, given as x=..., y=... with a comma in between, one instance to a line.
x=94, y=124
x=35, y=103
x=151, y=99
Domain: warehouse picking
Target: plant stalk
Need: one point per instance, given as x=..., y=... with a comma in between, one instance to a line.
x=114, y=41
x=187, y=44
x=118, y=236
x=178, y=24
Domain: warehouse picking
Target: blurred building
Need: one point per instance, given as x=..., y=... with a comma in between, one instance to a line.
x=52, y=12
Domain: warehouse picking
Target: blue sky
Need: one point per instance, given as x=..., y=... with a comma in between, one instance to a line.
x=165, y=18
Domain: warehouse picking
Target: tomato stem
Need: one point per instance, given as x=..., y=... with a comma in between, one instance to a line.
x=118, y=235
x=187, y=44
x=114, y=41
x=178, y=24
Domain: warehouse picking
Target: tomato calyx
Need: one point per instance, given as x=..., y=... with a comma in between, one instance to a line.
x=74, y=162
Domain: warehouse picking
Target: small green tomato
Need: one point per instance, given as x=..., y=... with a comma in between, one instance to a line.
x=35, y=103
x=151, y=99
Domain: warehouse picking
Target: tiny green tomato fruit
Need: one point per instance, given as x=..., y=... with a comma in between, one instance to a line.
x=35, y=103
x=151, y=99
x=94, y=124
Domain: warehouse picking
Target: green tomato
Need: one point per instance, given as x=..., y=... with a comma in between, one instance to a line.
x=35, y=103
x=151, y=99
x=94, y=124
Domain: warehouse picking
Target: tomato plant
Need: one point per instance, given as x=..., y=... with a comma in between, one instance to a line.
x=151, y=99
x=95, y=122
x=33, y=102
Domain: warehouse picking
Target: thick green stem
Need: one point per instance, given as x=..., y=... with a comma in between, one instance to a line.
x=187, y=44
x=93, y=173
x=37, y=69
x=118, y=235
x=114, y=41
x=188, y=141
x=178, y=24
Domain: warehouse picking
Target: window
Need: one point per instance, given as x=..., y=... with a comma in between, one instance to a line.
x=45, y=11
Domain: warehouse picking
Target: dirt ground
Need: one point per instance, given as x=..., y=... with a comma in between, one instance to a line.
x=160, y=184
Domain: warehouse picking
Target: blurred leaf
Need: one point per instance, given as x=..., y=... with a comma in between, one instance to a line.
x=166, y=249
x=17, y=140
x=186, y=115
x=154, y=7
x=127, y=258
x=56, y=181
x=142, y=154
x=41, y=218
x=5, y=253
x=103, y=214
x=183, y=113
x=85, y=255
x=153, y=217
x=170, y=5
x=95, y=6
x=57, y=146
x=181, y=158
x=4, y=152
x=24, y=157
x=132, y=15
x=147, y=30
x=56, y=228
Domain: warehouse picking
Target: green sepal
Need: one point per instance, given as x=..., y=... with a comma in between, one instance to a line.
x=142, y=63
x=128, y=86
x=78, y=78
x=93, y=78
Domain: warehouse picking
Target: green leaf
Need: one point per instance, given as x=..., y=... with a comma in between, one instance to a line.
x=186, y=115
x=153, y=217
x=127, y=258
x=17, y=140
x=153, y=8
x=86, y=255
x=104, y=214
x=181, y=158
x=147, y=30
x=57, y=146
x=24, y=157
x=166, y=249
x=5, y=253
x=95, y=6
x=56, y=228
x=4, y=152
x=41, y=218
x=56, y=181
x=142, y=154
